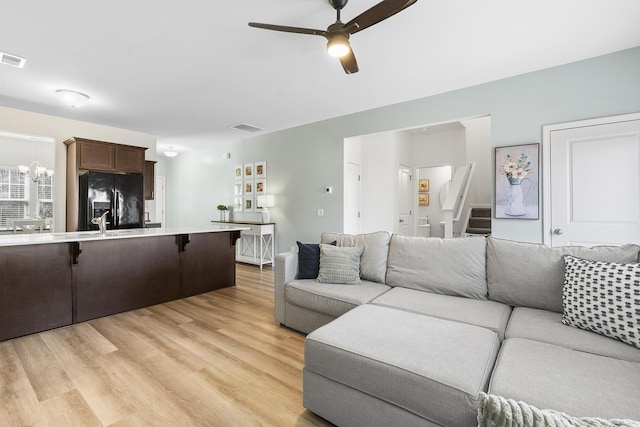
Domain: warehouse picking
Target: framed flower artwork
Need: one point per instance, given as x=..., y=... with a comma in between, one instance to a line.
x=517, y=181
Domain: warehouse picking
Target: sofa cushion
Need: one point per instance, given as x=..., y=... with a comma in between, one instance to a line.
x=603, y=297
x=373, y=263
x=339, y=265
x=442, y=266
x=532, y=275
x=487, y=314
x=309, y=260
x=548, y=376
x=546, y=326
x=432, y=367
x=331, y=299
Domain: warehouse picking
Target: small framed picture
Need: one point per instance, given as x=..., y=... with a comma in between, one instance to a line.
x=237, y=204
x=237, y=172
x=248, y=170
x=248, y=204
x=237, y=189
x=423, y=199
x=423, y=185
x=248, y=188
x=261, y=169
x=261, y=186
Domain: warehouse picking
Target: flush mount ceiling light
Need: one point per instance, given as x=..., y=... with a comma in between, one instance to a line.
x=72, y=98
x=170, y=152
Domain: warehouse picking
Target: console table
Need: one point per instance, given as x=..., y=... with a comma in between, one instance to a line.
x=257, y=244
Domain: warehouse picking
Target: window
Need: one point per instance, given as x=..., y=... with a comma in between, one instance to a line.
x=45, y=197
x=14, y=190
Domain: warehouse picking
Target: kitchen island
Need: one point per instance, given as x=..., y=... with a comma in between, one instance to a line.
x=48, y=280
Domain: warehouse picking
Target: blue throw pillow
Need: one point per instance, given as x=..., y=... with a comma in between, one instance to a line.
x=309, y=260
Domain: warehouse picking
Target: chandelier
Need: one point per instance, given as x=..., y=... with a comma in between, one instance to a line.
x=35, y=171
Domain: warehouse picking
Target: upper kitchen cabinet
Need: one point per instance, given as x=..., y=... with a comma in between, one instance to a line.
x=149, y=180
x=105, y=156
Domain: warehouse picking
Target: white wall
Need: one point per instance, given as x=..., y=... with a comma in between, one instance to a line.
x=307, y=158
x=61, y=129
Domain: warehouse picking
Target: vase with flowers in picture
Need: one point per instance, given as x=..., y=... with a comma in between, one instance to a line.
x=516, y=172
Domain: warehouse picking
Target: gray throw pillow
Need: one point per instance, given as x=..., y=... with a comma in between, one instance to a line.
x=603, y=297
x=373, y=264
x=339, y=265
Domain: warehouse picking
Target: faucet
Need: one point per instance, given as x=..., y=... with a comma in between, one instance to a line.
x=102, y=223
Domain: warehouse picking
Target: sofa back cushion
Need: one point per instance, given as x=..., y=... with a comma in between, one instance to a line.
x=442, y=266
x=532, y=275
x=373, y=262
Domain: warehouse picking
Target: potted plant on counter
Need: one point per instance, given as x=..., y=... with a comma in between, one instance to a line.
x=222, y=209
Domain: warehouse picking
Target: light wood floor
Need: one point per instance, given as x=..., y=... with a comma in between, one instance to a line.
x=216, y=359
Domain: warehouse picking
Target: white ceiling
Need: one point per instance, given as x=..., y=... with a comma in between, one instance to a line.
x=189, y=71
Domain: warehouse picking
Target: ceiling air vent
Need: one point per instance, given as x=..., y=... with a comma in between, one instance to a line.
x=9, y=59
x=247, y=128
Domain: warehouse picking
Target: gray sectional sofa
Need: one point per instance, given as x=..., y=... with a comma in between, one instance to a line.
x=434, y=322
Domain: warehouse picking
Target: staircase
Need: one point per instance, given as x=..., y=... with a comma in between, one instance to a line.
x=479, y=221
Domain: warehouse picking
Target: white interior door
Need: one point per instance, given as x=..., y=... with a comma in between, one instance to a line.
x=404, y=226
x=352, y=199
x=159, y=194
x=594, y=182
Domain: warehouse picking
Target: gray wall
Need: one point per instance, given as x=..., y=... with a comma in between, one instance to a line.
x=302, y=161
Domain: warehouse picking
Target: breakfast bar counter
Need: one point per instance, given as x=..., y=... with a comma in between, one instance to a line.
x=48, y=280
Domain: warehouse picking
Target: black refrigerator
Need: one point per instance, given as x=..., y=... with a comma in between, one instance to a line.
x=121, y=195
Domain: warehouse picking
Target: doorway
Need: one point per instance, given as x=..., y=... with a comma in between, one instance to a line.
x=593, y=182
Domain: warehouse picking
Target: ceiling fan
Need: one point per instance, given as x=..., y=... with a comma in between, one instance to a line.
x=338, y=33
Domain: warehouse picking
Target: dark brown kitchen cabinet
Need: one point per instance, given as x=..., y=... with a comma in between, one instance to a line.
x=104, y=156
x=205, y=262
x=95, y=155
x=149, y=180
x=35, y=288
x=129, y=159
x=125, y=274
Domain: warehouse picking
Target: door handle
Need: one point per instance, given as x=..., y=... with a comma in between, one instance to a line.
x=401, y=220
x=557, y=232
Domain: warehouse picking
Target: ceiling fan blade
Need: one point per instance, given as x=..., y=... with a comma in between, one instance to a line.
x=349, y=63
x=286, y=29
x=377, y=13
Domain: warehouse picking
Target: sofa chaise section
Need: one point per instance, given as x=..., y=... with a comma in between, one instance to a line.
x=437, y=375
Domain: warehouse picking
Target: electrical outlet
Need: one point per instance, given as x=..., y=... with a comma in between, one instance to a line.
x=320, y=212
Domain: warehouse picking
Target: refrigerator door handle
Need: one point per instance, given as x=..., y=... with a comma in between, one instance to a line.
x=116, y=215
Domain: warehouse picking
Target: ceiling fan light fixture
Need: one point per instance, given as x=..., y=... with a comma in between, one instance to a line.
x=338, y=45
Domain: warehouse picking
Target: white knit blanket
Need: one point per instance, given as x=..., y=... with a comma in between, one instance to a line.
x=496, y=411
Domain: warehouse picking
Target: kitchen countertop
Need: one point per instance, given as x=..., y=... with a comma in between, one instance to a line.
x=83, y=236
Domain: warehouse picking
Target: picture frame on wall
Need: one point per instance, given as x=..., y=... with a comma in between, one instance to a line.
x=423, y=185
x=238, y=172
x=248, y=187
x=248, y=170
x=248, y=204
x=517, y=181
x=237, y=189
x=261, y=186
x=237, y=204
x=260, y=169
x=423, y=199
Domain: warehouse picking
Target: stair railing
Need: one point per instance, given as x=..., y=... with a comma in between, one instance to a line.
x=455, y=201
